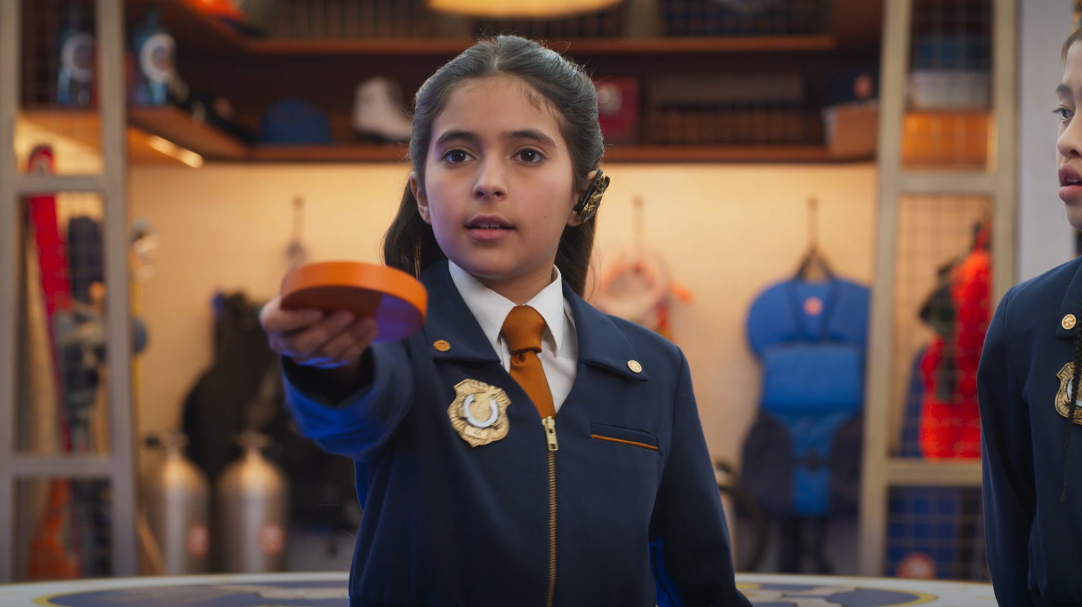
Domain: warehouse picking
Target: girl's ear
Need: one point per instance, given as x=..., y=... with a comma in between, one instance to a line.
x=418, y=192
x=575, y=219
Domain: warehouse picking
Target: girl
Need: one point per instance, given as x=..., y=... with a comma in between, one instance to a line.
x=522, y=448
x=1028, y=392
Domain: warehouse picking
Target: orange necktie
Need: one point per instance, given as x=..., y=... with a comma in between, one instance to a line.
x=522, y=329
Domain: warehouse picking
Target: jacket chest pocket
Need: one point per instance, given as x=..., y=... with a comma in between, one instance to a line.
x=624, y=436
x=626, y=464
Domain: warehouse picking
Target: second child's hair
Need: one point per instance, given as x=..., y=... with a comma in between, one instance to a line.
x=1075, y=36
x=558, y=84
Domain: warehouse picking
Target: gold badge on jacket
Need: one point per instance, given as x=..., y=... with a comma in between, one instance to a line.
x=1064, y=395
x=479, y=413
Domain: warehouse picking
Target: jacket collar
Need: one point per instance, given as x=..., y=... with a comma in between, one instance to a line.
x=601, y=342
x=450, y=320
x=1071, y=304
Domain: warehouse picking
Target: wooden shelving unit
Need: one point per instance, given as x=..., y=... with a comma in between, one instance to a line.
x=208, y=35
x=628, y=154
x=216, y=53
x=190, y=26
x=157, y=134
x=84, y=127
x=963, y=146
x=178, y=127
x=733, y=153
x=582, y=46
x=330, y=153
x=181, y=130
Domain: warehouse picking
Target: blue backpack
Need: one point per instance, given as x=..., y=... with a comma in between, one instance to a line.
x=802, y=455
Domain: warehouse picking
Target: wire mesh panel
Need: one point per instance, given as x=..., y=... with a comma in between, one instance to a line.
x=943, y=286
x=63, y=373
x=64, y=529
x=744, y=17
x=351, y=19
x=601, y=24
x=764, y=110
x=950, y=85
x=63, y=385
x=59, y=87
x=936, y=532
x=733, y=124
x=59, y=84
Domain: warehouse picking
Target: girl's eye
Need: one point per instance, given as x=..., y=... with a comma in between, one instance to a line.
x=456, y=156
x=1065, y=114
x=530, y=156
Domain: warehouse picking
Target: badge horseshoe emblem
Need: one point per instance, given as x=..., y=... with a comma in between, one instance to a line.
x=479, y=412
x=1063, y=396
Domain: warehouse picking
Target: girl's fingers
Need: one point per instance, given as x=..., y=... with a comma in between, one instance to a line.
x=277, y=320
x=345, y=341
x=309, y=341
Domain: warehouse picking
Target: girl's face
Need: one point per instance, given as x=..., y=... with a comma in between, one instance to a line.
x=498, y=187
x=1069, y=144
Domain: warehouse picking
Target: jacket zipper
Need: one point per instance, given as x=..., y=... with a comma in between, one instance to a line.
x=550, y=438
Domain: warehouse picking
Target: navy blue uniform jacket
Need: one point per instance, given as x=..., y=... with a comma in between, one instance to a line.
x=1034, y=541
x=449, y=524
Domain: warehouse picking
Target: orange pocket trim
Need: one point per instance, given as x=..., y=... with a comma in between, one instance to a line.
x=625, y=442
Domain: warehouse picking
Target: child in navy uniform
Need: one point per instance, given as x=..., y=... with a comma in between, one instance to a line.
x=1028, y=391
x=522, y=448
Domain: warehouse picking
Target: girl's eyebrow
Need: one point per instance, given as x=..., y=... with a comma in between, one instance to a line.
x=473, y=138
x=458, y=135
x=532, y=134
x=1063, y=90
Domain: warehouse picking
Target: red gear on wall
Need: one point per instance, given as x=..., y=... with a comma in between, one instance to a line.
x=950, y=428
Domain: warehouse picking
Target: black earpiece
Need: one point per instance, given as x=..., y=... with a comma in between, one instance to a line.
x=587, y=207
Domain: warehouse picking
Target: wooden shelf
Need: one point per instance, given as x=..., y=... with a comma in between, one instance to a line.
x=194, y=31
x=581, y=46
x=84, y=127
x=629, y=154
x=728, y=153
x=154, y=133
x=330, y=153
x=178, y=127
x=856, y=23
x=147, y=125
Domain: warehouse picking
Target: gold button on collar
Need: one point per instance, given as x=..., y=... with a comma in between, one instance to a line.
x=442, y=346
x=1069, y=322
x=634, y=366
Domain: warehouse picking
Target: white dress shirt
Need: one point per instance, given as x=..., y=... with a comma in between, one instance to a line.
x=559, y=342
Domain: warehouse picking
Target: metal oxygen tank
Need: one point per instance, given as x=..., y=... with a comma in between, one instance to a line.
x=253, y=509
x=177, y=500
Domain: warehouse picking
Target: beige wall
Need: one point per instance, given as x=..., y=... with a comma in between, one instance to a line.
x=727, y=231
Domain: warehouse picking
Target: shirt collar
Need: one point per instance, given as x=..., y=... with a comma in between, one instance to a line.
x=491, y=309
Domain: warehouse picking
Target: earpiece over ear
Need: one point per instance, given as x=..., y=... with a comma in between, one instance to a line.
x=587, y=207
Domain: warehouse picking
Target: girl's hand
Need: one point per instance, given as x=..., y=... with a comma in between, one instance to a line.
x=314, y=339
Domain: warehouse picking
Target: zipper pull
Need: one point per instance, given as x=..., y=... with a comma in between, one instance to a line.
x=550, y=432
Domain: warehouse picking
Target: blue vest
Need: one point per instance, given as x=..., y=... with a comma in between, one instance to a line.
x=802, y=455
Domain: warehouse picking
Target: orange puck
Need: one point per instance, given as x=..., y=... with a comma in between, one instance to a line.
x=395, y=299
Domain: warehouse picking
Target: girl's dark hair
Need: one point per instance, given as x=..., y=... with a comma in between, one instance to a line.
x=1075, y=36
x=409, y=244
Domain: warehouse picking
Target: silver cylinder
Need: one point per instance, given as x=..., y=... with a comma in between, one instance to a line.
x=253, y=509
x=177, y=498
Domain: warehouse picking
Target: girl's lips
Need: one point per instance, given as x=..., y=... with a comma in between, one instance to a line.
x=489, y=234
x=1071, y=194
